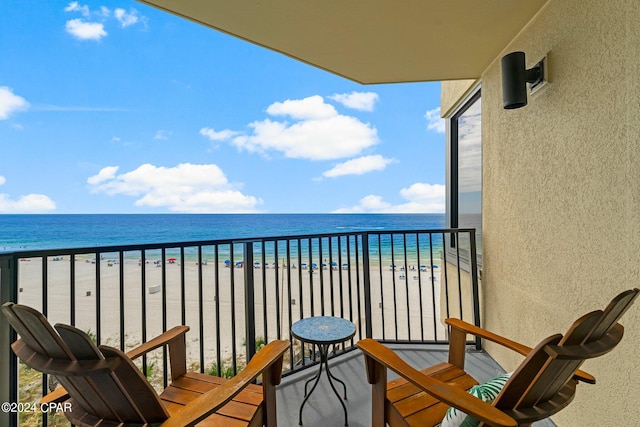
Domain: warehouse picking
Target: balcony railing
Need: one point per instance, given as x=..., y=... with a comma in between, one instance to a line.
x=395, y=286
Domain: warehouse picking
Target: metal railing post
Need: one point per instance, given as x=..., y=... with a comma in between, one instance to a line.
x=366, y=278
x=249, y=303
x=474, y=284
x=8, y=361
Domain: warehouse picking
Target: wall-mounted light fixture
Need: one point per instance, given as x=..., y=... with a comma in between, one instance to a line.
x=515, y=77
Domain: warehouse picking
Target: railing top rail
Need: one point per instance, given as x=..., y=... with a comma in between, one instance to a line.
x=233, y=241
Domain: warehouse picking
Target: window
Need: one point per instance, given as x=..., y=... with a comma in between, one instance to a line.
x=465, y=170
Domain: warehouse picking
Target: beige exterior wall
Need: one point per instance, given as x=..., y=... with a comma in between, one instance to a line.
x=561, y=194
x=455, y=92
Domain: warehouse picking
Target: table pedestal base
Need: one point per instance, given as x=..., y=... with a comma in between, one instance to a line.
x=324, y=360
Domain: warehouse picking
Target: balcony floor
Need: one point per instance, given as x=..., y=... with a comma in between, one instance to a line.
x=323, y=409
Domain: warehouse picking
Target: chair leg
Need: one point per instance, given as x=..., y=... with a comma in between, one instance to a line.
x=377, y=376
x=270, y=378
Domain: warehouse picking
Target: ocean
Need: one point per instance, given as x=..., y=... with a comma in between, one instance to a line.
x=35, y=232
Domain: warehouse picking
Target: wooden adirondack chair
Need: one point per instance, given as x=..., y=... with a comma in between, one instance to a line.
x=542, y=385
x=105, y=388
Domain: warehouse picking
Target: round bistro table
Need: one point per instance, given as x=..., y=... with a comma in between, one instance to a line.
x=323, y=331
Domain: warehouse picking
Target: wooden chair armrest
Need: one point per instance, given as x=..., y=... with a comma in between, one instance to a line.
x=159, y=341
x=445, y=393
x=468, y=328
x=268, y=358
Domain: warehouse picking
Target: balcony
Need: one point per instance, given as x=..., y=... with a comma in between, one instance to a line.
x=395, y=286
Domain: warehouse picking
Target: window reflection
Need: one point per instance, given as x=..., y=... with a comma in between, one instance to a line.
x=470, y=170
x=466, y=170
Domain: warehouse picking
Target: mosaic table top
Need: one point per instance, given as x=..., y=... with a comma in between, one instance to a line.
x=323, y=330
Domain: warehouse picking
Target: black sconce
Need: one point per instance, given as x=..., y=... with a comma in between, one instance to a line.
x=515, y=77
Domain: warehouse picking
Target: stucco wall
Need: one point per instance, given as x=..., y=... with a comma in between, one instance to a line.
x=455, y=92
x=561, y=195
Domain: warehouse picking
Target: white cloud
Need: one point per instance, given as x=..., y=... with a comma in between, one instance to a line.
x=420, y=198
x=183, y=188
x=85, y=30
x=31, y=203
x=126, y=19
x=434, y=122
x=222, y=135
x=318, y=132
x=358, y=166
x=311, y=108
x=74, y=6
x=10, y=103
x=363, y=101
x=105, y=174
x=162, y=134
x=92, y=24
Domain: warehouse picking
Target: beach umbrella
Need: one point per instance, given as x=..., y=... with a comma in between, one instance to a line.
x=227, y=263
x=172, y=260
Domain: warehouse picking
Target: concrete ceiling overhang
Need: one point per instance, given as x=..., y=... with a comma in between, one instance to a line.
x=371, y=41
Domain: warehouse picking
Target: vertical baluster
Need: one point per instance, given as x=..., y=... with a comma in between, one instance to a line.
x=8, y=362
x=183, y=289
x=277, y=278
x=381, y=284
x=264, y=294
x=163, y=293
x=249, y=301
x=393, y=282
x=321, y=267
x=367, y=285
x=143, y=311
x=420, y=288
x=121, y=295
x=474, y=285
x=332, y=293
x=406, y=283
x=446, y=276
x=216, y=284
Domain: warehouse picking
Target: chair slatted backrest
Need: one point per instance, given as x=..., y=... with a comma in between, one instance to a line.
x=124, y=394
x=36, y=333
x=545, y=377
x=119, y=394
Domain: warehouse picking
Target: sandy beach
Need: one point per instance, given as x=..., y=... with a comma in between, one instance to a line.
x=408, y=290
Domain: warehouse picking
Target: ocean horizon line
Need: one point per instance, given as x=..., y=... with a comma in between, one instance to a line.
x=31, y=232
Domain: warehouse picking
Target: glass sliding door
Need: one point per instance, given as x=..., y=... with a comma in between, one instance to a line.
x=465, y=166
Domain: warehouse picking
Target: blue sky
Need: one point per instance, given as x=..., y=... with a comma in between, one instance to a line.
x=116, y=107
